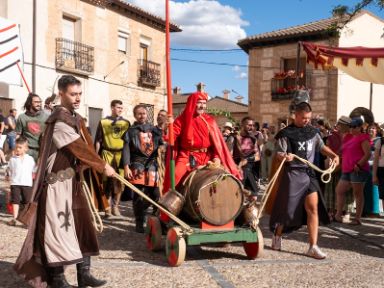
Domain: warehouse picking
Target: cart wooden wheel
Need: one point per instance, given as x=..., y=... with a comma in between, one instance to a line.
x=175, y=247
x=255, y=249
x=153, y=233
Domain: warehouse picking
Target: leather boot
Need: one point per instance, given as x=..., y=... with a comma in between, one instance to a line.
x=57, y=278
x=139, y=228
x=138, y=211
x=116, y=199
x=84, y=276
x=116, y=211
x=108, y=213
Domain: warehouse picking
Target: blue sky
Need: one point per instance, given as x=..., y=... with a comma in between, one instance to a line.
x=219, y=24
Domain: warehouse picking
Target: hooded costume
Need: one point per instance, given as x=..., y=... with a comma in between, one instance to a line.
x=198, y=140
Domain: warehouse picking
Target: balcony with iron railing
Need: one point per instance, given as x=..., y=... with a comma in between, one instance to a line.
x=148, y=74
x=75, y=57
x=284, y=86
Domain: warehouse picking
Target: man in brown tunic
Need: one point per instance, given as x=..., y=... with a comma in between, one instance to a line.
x=61, y=231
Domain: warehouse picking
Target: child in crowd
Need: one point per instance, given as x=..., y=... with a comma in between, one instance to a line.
x=20, y=170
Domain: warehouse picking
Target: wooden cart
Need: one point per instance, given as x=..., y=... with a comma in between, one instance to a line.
x=176, y=241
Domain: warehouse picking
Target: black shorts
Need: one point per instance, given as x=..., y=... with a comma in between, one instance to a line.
x=380, y=175
x=314, y=185
x=21, y=194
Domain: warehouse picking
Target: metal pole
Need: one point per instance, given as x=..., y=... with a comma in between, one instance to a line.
x=370, y=96
x=34, y=46
x=169, y=93
x=22, y=76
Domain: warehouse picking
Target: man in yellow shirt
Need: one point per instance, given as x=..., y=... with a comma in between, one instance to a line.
x=109, y=145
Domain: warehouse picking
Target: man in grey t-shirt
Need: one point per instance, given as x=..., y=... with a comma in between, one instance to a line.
x=31, y=124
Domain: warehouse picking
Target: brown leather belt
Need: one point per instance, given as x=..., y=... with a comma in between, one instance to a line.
x=60, y=176
x=198, y=150
x=113, y=150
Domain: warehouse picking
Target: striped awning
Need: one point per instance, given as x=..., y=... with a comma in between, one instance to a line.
x=362, y=63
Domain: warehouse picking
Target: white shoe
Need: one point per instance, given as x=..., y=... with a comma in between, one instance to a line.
x=276, y=242
x=315, y=252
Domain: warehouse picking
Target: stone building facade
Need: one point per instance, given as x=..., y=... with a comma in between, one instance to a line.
x=115, y=48
x=272, y=70
x=266, y=108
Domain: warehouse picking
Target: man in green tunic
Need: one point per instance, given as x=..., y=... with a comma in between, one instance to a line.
x=109, y=145
x=31, y=124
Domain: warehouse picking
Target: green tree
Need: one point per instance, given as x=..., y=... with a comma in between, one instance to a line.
x=219, y=112
x=347, y=12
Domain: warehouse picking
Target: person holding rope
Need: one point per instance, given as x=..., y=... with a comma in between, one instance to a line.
x=60, y=229
x=298, y=199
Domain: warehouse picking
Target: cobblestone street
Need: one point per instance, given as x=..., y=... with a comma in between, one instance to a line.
x=125, y=262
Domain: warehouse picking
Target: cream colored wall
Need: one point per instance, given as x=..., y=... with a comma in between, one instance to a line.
x=364, y=31
x=127, y=73
x=3, y=9
x=99, y=28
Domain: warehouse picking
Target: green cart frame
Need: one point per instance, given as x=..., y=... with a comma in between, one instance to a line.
x=177, y=241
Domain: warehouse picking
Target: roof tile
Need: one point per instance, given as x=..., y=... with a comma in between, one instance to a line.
x=312, y=27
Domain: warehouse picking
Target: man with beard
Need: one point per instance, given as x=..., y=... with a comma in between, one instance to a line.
x=198, y=140
x=141, y=143
x=31, y=124
x=60, y=231
x=109, y=145
x=247, y=154
x=299, y=199
x=162, y=123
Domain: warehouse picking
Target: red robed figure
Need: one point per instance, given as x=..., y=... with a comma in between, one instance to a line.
x=199, y=136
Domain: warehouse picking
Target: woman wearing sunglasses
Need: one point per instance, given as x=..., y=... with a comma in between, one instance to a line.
x=356, y=151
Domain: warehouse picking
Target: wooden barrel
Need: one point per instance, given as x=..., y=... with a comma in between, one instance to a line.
x=212, y=195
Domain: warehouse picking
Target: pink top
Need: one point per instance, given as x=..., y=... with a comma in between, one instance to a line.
x=352, y=152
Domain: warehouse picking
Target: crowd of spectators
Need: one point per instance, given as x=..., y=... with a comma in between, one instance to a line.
x=354, y=184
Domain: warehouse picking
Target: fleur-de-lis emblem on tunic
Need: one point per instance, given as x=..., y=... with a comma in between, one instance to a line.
x=66, y=216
